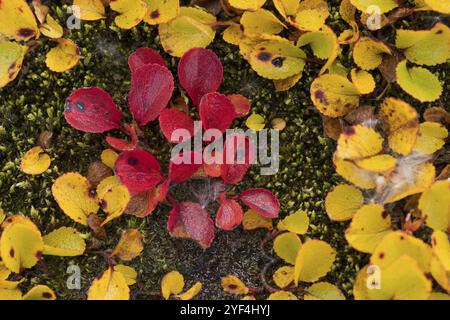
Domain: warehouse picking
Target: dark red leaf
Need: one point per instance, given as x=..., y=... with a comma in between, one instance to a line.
x=173, y=119
x=144, y=203
x=241, y=105
x=239, y=154
x=262, y=201
x=190, y=163
x=216, y=111
x=151, y=89
x=138, y=170
x=92, y=110
x=122, y=144
x=229, y=215
x=191, y=220
x=200, y=72
x=143, y=56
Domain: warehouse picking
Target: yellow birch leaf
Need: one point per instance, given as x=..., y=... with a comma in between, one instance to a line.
x=11, y=59
x=352, y=173
x=253, y=220
x=51, y=28
x=131, y=12
x=382, y=5
x=74, y=196
x=431, y=137
x=343, y=201
x=233, y=285
x=35, y=161
x=17, y=21
x=286, y=246
x=255, y=122
x=363, y=81
x=284, y=276
x=111, y=285
x=113, y=196
x=434, y=205
x=161, y=11
x=297, y=222
x=311, y=15
x=251, y=5
x=261, y=21
x=369, y=226
x=368, y=53
x=191, y=292
x=129, y=273
x=89, y=10
x=65, y=242
x=109, y=158
x=380, y=163
x=314, y=260
x=40, y=292
x=172, y=283
x=129, y=246
x=358, y=142
x=63, y=57
x=324, y=291
x=282, y=295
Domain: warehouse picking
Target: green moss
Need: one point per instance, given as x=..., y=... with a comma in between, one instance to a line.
x=34, y=103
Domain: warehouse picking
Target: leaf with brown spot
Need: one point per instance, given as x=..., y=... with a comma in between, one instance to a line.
x=129, y=246
x=333, y=127
x=95, y=224
x=45, y=139
x=437, y=114
x=97, y=171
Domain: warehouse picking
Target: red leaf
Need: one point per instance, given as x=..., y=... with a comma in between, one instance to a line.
x=124, y=145
x=191, y=220
x=241, y=105
x=92, y=110
x=172, y=119
x=143, y=56
x=229, y=215
x=216, y=111
x=200, y=72
x=183, y=171
x=239, y=154
x=151, y=89
x=144, y=203
x=262, y=201
x=138, y=170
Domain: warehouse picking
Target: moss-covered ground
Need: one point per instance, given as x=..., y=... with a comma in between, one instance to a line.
x=34, y=102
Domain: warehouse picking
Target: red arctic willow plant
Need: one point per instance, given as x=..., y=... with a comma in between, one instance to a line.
x=152, y=84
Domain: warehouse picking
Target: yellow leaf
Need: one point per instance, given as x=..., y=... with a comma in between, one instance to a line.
x=425, y=47
x=131, y=12
x=438, y=296
x=109, y=158
x=282, y=295
x=65, y=242
x=249, y=298
x=313, y=261
x=284, y=276
x=113, y=196
x=161, y=11
x=343, y=201
x=286, y=84
x=360, y=287
x=396, y=244
x=63, y=57
x=382, y=5
x=286, y=7
x=253, y=220
x=35, y=161
x=129, y=246
x=363, y=81
x=297, y=222
x=4, y=272
x=17, y=21
x=247, y=4
x=21, y=246
x=11, y=58
x=51, y=28
x=89, y=9
x=434, y=204
x=40, y=292
x=418, y=82
x=311, y=15
x=190, y=29
x=324, y=291
x=402, y=280
x=334, y=95
x=381, y=163
x=352, y=173
x=233, y=285
x=358, y=142
x=255, y=122
x=111, y=285
x=286, y=246
x=172, y=283
x=10, y=294
x=347, y=11
x=19, y=219
x=261, y=21
x=234, y=34
x=74, y=196
x=323, y=43
x=368, y=53
x=129, y=273
x=439, y=6
x=431, y=137
x=440, y=262
x=277, y=59
x=402, y=124
x=369, y=226
x=192, y=292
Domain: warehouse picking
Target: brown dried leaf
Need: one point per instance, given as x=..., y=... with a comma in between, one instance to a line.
x=333, y=127
x=95, y=224
x=437, y=114
x=45, y=139
x=213, y=6
x=98, y=171
x=363, y=113
x=388, y=67
x=445, y=173
x=180, y=104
